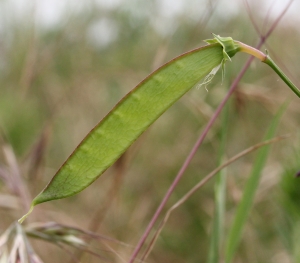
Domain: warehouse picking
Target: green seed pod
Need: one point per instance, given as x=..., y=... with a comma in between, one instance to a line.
x=105, y=143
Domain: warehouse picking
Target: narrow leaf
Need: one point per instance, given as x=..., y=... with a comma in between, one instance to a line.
x=245, y=205
x=220, y=196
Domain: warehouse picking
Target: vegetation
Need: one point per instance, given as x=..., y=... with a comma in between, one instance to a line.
x=59, y=82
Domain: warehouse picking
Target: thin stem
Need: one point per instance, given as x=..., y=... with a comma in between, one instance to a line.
x=272, y=64
x=19, y=186
x=202, y=183
x=266, y=59
x=189, y=159
x=252, y=18
x=252, y=51
x=200, y=140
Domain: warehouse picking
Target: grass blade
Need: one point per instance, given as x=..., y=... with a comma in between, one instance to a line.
x=220, y=197
x=200, y=184
x=245, y=205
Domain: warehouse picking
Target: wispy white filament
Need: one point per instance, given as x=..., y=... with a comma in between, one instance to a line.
x=209, y=77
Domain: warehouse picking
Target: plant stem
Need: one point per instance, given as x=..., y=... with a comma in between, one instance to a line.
x=266, y=59
x=200, y=140
x=252, y=51
x=189, y=158
x=272, y=64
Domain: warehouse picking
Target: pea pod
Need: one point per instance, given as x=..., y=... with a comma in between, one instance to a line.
x=106, y=142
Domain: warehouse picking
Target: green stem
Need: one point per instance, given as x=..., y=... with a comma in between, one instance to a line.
x=231, y=47
x=266, y=59
x=272, y=64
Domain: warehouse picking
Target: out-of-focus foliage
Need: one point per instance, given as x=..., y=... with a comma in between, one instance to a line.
x=57, y=82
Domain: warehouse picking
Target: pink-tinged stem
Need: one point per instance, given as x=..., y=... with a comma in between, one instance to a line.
x=200, y=140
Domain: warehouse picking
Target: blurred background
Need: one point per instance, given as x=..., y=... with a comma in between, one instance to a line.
x=65, y=64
